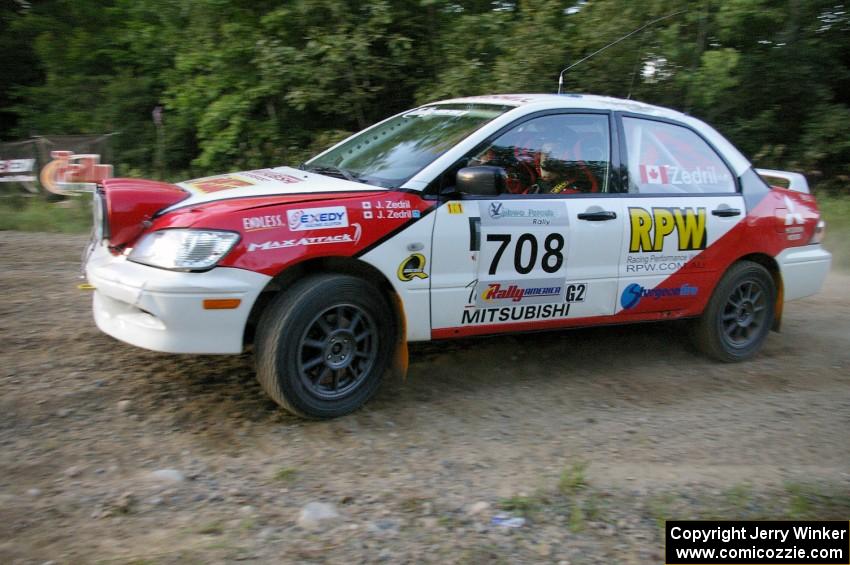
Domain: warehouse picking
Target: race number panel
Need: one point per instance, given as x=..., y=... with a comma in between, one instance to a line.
x=510, y=260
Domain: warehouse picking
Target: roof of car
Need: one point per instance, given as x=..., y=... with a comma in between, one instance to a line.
x=569, y=100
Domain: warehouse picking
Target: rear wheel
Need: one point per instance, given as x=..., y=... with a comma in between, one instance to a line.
x=739, y=315
x=323, y=345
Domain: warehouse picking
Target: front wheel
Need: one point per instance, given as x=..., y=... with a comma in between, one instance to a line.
x=739, y=315
x=323, y=345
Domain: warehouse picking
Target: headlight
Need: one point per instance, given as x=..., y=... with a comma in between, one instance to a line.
x=183, y=250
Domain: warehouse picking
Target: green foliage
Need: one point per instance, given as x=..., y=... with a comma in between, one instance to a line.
x=35, y=214
x=249, y=83
x=572, y=478
x=836, y=211
x=286, y=474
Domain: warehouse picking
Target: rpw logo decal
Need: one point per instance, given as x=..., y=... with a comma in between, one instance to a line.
x=792, y=217
x=651, y=228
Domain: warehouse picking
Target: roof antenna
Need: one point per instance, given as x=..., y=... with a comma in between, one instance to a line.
x=600, y=50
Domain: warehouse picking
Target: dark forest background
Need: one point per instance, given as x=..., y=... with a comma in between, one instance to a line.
x=252, y=83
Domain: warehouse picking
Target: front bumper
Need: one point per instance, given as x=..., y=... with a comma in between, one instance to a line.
x=803, y=270
x=163, y=310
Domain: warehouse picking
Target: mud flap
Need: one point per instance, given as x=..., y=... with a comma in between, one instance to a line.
x=398, y=368
x=778, y=308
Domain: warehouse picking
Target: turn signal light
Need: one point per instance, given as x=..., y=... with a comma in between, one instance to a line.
x=221, y=303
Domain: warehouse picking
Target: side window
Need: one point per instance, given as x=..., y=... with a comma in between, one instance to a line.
x=665, y=158
x=556, y=154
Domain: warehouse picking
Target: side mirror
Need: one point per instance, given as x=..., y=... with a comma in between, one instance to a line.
x=483, y=180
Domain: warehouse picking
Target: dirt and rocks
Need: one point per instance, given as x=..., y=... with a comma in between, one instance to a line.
x=566, y=447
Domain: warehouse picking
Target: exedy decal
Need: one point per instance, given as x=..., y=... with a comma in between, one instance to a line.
x=317, y=218
x=650, y=229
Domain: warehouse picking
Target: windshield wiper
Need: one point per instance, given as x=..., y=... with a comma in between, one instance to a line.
x=333, y=171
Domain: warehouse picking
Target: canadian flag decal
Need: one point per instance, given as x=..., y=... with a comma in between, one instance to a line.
x=653, y=174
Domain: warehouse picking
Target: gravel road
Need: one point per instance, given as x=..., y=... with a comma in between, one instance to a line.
x=587, y=439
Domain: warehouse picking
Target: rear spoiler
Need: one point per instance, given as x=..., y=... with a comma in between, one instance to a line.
x=792, y=181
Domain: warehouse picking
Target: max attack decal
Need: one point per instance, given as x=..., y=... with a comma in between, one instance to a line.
x=650, y=229
x=256, y=223
x=633, y=293
x=412, y=268
x=317, y=218
x=317, y=240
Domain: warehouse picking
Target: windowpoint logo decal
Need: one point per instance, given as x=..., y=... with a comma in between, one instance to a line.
x=633, y=293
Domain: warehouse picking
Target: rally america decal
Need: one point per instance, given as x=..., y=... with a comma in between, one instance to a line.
x=516, y=301
x=540, y=291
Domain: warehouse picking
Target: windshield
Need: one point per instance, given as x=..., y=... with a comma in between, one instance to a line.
x=390, y=154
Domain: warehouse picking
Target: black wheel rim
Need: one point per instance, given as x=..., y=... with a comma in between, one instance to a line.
x=744, y=315
x=337, y=351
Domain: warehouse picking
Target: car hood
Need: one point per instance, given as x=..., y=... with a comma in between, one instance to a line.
x=283, y=181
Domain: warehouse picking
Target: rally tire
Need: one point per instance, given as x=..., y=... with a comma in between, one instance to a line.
x=739, y=314
x=324, y=344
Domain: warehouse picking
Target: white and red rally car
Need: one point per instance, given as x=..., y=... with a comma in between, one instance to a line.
x=472, y=216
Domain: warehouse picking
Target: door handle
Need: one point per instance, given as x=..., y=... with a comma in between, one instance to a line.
x=726, y=212
x=601, y=216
